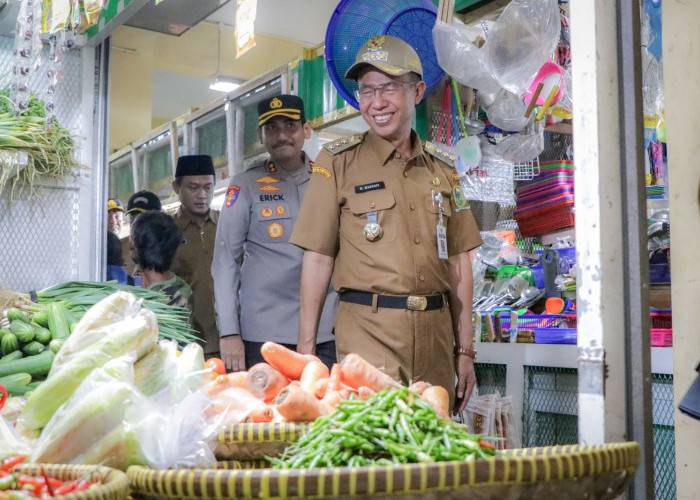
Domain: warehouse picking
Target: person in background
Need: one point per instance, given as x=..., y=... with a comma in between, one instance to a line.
x=256, y=271
x=384, y=216
x=115, y=215
x=194, y=183
x=138, y=203
x=154, y=240
x=115, y=262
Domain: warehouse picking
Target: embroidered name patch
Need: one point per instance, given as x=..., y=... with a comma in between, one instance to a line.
x=232, y=195
x=369, y=187
x=321, y=170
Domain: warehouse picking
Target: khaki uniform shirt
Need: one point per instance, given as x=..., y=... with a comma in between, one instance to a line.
x=346, y=189
x=256, y=271
x=373, y=177
x=193, y=264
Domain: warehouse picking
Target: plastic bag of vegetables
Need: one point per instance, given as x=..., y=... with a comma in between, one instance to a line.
x=137, y=333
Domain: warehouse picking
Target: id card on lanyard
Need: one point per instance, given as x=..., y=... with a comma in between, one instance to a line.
x=441, y=231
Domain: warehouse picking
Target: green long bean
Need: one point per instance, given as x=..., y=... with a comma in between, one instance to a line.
x=391, y=427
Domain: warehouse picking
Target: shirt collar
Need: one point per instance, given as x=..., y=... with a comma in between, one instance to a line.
x=186, y=220
x=384, y=150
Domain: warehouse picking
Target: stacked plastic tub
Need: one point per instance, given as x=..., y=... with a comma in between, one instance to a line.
x=546, y=203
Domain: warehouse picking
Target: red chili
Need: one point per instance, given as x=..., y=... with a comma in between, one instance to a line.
x=8, y=463
x=3, y=398
x=64, y=488
x=47, y=481
x=486, y=444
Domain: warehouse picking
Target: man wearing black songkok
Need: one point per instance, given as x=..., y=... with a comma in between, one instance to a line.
x=194, y=183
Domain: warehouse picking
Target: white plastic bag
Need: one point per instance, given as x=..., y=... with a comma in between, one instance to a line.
x=521, y=40
x=458, y=54
x=507, y=112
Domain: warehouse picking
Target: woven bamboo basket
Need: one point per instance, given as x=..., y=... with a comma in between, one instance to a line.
x=591, y=472
x=114, y=484
x=255, y=441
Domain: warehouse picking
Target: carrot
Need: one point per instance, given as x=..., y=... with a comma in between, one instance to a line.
x=233, y=379
x=259, y=414
x=356, y=372
x=232, y=405
x=437, y=397
x=265, y=379
x=419, y=387
x=290, y=363
x=333, y=394
x=486, y=444
x=297, y=405
x=313, y=372
x=320, y=387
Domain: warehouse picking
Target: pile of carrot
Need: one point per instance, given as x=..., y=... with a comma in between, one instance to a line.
x=294, y=387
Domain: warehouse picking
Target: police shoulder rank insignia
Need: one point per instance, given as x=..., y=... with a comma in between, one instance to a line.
x=460, y=201
x=268, y=189
x=437, y=152
x=232, y=195
x=321, y=170
x=340, y=145
x=267, y=180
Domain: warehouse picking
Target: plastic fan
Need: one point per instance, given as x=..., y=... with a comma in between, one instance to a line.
x=354, y=21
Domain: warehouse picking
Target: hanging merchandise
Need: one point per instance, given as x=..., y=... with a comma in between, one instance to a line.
x=525, y=146
x=521, y=40
x=56, y=15
x=491, y=181
x=246, y=11
x=507, y=112
x=459, y=52
x=27, y=52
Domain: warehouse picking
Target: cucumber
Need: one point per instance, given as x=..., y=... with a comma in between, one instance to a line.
x=42, y=334
x=8, y=344
x=16, y=378
x=17, y=389
x=39, y=364
x=41, y=318
x=55, y=345
x=23, y=331
x=3, y=332
x=33, y=348
x=14, y=314
x=58, y=324
x=35, y=383
x=11, y=357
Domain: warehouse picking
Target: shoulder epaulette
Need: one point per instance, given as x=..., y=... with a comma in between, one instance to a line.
x=439, y=153
x=340, y=145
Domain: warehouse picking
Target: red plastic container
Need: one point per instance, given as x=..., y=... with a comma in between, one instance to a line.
x=661, y=337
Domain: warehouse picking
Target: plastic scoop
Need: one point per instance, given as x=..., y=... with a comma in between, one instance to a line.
x=550, y=75
x=469, y=147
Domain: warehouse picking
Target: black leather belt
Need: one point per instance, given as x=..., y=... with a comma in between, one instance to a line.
x=411, y=302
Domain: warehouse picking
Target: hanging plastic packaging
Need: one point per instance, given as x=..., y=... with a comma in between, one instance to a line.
x=458, y=53
x=56, y=15
x=521, y=40
x=507, y=112
x=524, y=146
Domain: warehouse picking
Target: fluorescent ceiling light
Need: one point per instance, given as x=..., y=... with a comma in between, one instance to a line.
x=224, y=84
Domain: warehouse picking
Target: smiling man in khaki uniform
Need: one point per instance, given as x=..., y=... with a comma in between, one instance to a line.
x=381, y=218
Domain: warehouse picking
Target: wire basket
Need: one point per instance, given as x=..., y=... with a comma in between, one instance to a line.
x=526, y=171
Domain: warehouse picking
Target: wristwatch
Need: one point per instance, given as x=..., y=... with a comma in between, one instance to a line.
x=465, y=351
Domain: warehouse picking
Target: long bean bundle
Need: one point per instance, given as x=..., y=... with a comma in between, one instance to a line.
x=79, y=296
x=390, y=428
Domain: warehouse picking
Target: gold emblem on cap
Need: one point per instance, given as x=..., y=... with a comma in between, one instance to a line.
x=275, y=103
x=375, y=42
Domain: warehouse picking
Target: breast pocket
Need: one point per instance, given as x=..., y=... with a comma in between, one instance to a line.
x=361, y=205
x=271, y=223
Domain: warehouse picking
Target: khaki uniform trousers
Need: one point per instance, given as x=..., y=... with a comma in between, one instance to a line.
x=408, y=345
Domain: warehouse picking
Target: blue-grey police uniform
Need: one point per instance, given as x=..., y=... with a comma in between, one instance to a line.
x=256, y=270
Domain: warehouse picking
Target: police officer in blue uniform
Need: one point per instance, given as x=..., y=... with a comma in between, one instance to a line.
x=256, y=270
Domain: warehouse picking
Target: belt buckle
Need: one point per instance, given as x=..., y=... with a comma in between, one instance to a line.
x=416, y=303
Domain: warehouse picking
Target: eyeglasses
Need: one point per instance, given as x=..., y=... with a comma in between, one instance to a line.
x=281, y=126
x=389, y=90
